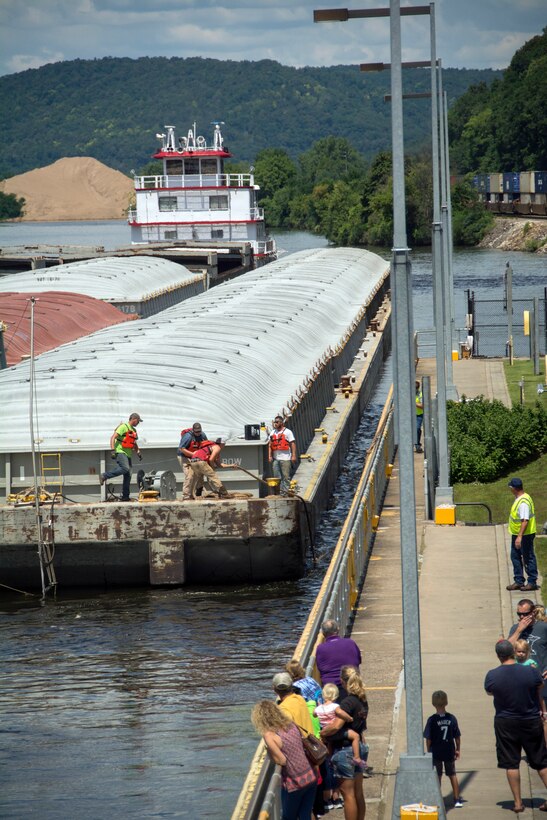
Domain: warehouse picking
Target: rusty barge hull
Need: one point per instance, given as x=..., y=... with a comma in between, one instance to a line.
x=172, y=543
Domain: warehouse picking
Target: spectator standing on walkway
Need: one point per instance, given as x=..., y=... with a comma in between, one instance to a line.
x=349, y=773
x=292, y=704
x=522, y=528
x=529, y=628
x=191, y=439
x=442, y=735
x=518, y=724
x=203, y=466
x=419, y=417
x=282, y=453
x=123, y=443
x=304, y=684
x=284, y=744
x=334, y=653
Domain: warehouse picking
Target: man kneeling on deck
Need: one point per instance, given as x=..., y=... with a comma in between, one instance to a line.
x=203, y=463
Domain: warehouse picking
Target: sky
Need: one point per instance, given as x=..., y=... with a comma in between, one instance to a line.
x=470, y=33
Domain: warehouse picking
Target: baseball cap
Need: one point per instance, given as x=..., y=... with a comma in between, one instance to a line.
x=282, y=681
x=220, y=441
x=135, y=416
x=515, y=483
x=196, y=426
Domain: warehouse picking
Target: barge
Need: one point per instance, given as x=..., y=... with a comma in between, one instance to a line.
x=310, y=348
x=142, y=286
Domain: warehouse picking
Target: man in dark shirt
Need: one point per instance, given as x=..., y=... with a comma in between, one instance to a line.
x=518, y=724
x=334, y=653
x=533, y=631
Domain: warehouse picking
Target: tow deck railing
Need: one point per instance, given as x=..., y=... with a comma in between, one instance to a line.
x=260, y=796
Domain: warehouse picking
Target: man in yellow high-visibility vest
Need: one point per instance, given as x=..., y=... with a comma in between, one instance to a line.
x=522, y=528
x=419, y=417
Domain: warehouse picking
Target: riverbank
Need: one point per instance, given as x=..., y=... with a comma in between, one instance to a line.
x=512, y=234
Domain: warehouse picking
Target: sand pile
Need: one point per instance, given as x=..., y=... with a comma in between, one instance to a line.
x=72, y=188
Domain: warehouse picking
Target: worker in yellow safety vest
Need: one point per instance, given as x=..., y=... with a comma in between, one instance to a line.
x=123, y=444
x=419, y=417
x=522, y=528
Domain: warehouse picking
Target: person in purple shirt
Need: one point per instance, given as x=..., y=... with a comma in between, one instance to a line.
x=334, y=653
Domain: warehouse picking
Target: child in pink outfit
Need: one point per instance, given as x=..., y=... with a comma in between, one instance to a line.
x=329, y=710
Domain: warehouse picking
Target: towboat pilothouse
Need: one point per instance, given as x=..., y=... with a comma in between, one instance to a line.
x=194, y=200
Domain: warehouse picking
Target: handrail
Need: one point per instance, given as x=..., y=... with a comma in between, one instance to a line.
x=476, y=504
x=167, y=181
x=337, y=598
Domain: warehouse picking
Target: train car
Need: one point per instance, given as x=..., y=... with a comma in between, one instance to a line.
x=516, y=193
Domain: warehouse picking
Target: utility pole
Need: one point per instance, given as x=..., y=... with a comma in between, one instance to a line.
x=416, y=780
x=509, y=304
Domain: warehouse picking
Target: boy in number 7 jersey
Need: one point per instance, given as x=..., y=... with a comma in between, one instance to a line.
x=442, y=736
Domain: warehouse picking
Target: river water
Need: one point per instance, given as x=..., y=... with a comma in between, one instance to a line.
x=135, y=703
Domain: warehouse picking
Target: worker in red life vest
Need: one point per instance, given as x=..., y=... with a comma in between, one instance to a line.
x=123, y=443
x=203, y=466
x=282, y=453
x=191, y=439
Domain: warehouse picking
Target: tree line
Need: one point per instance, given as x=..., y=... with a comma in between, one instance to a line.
x=503, y=126
x=111, y=108
x=333, y=191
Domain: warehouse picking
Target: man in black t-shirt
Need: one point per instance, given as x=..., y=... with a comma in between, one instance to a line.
x=518, y=724
x=533, y=631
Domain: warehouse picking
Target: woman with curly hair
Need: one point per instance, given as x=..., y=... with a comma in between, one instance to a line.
x=284, y=744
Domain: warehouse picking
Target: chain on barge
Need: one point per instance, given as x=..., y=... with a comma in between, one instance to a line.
x=305, y=336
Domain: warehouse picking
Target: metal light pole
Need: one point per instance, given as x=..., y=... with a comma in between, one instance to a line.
x=448, y=300
x=443, y=493
x=534, y=333
x=441, y=252
x=416, y=780
x=509, y=304
x=450, y=236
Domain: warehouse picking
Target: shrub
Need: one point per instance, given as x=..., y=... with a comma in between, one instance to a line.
x=487, y=439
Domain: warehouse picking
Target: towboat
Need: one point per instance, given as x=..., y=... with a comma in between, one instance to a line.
x=195, y=201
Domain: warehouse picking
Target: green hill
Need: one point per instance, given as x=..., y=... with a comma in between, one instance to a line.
x=503, y=127
x=111, y=108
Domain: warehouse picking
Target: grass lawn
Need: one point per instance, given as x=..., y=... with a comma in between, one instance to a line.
x=524, y=369
x=499, y=498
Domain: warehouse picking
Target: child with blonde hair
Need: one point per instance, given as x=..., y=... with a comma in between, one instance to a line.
x=329, y=710
x=522, y=653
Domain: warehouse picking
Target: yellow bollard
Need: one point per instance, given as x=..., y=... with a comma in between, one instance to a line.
x=445, y=514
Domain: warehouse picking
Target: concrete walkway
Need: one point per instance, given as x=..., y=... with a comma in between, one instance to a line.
x=472, y=378
x=464, y=608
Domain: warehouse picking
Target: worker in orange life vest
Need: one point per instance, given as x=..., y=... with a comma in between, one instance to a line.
x=282, y=453
x=191, y=439
x=203, y=463
x=123, y=443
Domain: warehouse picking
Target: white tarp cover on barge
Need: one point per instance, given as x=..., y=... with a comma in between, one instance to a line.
x=229, y=357
x=142, y=284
